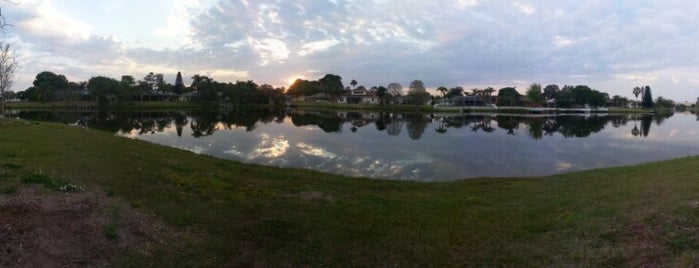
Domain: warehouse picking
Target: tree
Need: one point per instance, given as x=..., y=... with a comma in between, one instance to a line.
x=395, y=89
x=353, y=83
x=619, y=101
x=179, y=84
x=647, y=101
x=382, y=93
x=455, y=92
x=508, y=96
x=564, y=98
x=487, y=92
x=664, y=103
x=8, y=67
x=46, y=83
x=534, y=94
x=126, y=87
x=205, y=89
x=104, y=89
x=636, y=91
x=302, y=87
x=332, y=85
x=551, y=91
x=154, y=81
x=3, y=22
x=416, y=87
x=443, y=90
x=417, y=93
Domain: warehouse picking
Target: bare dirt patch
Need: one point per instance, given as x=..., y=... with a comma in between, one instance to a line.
x=43, y=228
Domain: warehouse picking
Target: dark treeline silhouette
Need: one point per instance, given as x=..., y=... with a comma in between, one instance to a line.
x=48, y=86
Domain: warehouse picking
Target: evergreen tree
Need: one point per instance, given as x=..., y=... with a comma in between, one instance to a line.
x=179, y=85
x=647, y=101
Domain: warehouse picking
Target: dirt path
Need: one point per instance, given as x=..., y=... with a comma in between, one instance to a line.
x=44, y=228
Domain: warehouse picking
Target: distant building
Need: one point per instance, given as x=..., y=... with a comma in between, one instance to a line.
x=467, y=101
x=359, y=95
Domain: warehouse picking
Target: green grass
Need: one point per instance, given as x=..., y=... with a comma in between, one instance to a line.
x=50, y=182
x=249, y=215
x=111, y=230
x=135, y=105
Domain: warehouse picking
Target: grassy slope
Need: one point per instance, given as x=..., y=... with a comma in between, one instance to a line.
x=254, y=215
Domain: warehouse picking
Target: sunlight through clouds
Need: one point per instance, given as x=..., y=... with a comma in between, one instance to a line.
x=270, y=50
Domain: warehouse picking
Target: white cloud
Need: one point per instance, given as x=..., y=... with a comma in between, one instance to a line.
x=561, y=41
x=524, y=8
x=605, y=44
x=49, y=22
x=270, y=50
x=463, y=4
x=317, y=46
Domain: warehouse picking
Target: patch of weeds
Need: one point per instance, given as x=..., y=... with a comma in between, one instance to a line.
x=136, y=203
x=182, y=219
x=52, y=183
x=683, y=243
x=10, y=155
x=111, y=230
x=183, y=169
x=8, y=189
x=11, y=166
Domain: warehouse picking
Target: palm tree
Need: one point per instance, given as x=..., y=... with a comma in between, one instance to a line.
x=443, y=90
x=636, y=91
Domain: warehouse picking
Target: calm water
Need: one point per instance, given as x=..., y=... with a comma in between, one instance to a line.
x=409, y=146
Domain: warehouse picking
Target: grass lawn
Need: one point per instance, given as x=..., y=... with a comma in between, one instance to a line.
x=249, y=215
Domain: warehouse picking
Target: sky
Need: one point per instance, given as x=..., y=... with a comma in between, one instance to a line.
x=611, y=46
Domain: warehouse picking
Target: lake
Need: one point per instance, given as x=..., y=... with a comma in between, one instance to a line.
x=420, y=147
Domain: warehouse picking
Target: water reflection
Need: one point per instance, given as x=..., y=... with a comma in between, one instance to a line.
x=406, y=146
x=207, y=123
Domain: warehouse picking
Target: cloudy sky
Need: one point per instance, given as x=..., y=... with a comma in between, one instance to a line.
x=611, y=46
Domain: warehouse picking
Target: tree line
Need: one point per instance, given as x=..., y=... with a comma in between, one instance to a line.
x=48, y=86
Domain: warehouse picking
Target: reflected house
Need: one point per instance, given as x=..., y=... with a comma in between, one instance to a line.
x=358, y=119
x=359, y=95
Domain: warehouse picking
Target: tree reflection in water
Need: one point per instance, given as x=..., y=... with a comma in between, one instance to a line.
x=207, y=123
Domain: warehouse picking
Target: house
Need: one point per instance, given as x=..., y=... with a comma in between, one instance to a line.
x=318, y=97
x=189, y=96
x=467, y=101
x=359, y=95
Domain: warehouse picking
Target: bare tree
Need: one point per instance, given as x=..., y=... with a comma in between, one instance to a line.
x=395, y=89
x=3, y=22
x=8, y=67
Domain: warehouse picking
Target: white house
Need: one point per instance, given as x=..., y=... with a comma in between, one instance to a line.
x=359, y=95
